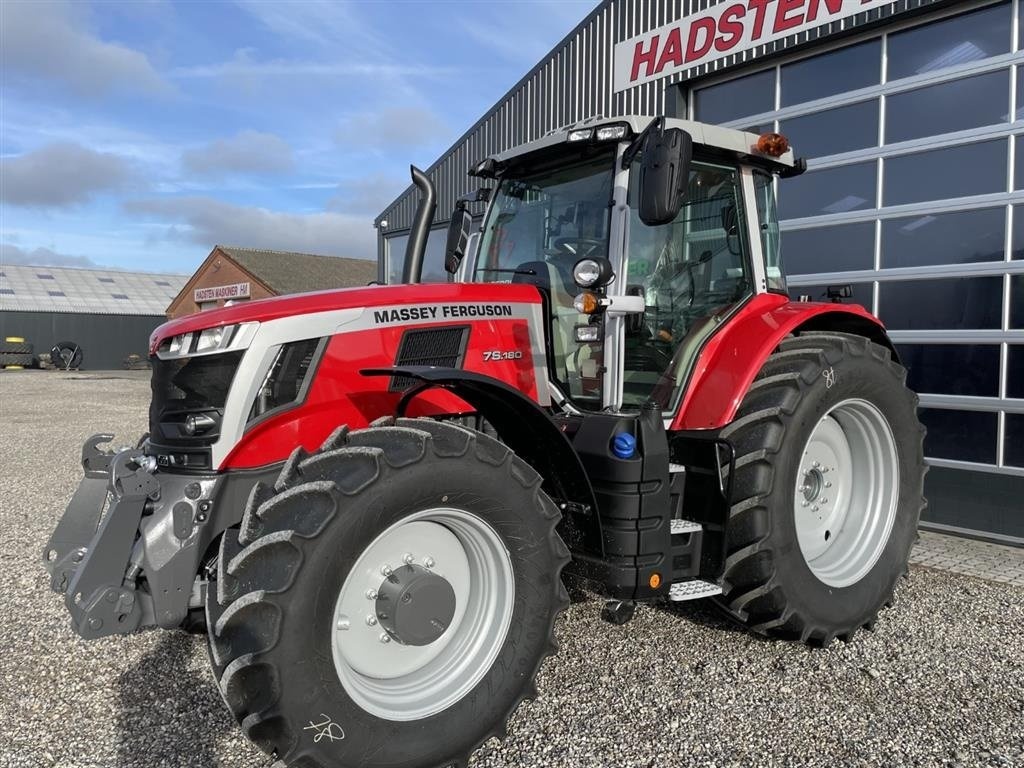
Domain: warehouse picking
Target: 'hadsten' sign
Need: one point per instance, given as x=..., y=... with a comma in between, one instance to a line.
x=725, y=29
x=235, y=291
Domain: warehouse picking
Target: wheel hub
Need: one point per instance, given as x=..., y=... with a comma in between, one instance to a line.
x=846, y=492
x=414, y=605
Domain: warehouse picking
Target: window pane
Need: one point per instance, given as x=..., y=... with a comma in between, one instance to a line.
x=396, y=257
x=1017, y=301
x=1018, y=171
x=862, y=293
x=834, y=190
x=968, y=102
x=1013, y=443
x=1015, y=371
x=972, y=169
x=833, y=131
x=1017, y=243
x=1020, y=85
x=731, y=100
x=959, y=435
x=952, y=369
x=829, y=249
x=947, y=304
x=835, y=72
x=944, y=238
x=949, y=42
x=433, y=256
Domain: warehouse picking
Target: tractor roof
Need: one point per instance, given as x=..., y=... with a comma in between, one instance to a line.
x=721, y=140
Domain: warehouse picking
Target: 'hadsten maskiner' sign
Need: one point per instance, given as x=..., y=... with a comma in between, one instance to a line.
x=723, y=30
x=234, y=291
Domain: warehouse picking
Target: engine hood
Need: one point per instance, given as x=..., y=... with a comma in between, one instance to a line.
x=383, y=296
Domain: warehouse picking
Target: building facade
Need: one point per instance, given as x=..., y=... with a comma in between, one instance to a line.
x=108, y=314
x=911, y=117
x=232, y=274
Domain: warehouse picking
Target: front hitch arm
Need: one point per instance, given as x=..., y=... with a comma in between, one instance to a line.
x=67, y=545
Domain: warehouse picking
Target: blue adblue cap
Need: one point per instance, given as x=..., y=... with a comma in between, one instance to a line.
x=624, y=445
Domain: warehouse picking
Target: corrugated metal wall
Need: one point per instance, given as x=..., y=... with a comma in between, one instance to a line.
x=575, y=82
x=106, y=340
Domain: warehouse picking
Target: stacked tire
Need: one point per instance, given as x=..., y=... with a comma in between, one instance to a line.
x=16, y=353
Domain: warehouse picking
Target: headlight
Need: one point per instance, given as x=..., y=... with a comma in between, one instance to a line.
x=197, y=424
x=581, y=134
x=214, y=338
x=609, y=132
x=592, y=272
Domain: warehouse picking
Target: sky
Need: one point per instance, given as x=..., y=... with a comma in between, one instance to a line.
x=137, y=135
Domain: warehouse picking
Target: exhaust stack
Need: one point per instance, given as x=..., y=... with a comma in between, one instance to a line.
x=413, y=267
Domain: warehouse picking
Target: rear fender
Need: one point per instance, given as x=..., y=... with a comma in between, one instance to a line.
x=732, y=358
x=525, y=428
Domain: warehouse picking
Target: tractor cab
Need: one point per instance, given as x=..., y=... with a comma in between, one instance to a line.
x=644, y=235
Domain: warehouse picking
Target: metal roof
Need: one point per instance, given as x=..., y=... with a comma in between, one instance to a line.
x=90, y=291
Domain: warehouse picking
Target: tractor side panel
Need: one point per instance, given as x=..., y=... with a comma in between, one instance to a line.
x=732, y=358
x=340, y=394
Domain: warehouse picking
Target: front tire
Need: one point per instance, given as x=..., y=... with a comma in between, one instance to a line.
x=317, y=638
x=828, y=489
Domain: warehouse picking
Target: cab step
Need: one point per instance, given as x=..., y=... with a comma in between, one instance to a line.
x=693, y=589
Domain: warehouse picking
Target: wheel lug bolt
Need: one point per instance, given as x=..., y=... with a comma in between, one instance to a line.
x=803, y=503
x=385, y=637
x=824, y=501
x=815, y=507
x=371, y=621
x=428, y=562
x=828, y=485
x=386, y=570
x=371, y=594
x=816, y=465
x=407, y=558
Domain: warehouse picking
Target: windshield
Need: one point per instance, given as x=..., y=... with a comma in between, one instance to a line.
x=691, y=272
x=538, y=227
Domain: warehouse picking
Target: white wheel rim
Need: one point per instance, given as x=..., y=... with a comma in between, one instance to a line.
x=846, y=492
x=395, y=681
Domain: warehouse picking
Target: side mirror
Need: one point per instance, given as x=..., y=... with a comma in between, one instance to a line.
x=458, y=238
x=664, y=175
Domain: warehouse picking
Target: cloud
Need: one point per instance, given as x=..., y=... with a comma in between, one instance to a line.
x=47, y=41
x=392, y=127
x=367, y=195
x=243, y=65
x=207, y=222
x=42, y=257
x=61, y=174
x=246, y=152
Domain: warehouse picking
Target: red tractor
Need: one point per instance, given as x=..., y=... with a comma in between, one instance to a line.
x=369, y=498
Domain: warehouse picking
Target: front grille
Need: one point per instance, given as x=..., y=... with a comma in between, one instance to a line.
x=443, y=347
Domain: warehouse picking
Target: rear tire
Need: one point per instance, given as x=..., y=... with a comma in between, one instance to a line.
x=298, y=661
x=828, y=489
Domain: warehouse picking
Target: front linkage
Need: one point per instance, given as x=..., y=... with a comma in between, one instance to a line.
x=156, y=525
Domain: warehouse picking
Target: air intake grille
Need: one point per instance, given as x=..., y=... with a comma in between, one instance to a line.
x=443, y=347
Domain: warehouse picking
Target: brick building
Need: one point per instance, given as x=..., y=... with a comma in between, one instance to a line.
x=243, y=274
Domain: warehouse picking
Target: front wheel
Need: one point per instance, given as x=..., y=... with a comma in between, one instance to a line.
x=828, y=489
x=390, y=601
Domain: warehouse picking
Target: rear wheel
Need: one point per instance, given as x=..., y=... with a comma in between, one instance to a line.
x=828, y=489
x=389, y=601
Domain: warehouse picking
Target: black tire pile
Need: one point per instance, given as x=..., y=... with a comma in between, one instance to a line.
x=15, y=353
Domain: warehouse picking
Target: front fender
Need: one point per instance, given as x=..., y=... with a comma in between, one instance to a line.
x=522, y=425
x=731, y=359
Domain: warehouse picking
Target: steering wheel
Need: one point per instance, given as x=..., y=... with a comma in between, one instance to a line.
x=578, y=247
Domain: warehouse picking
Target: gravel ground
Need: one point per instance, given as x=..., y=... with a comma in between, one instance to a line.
x=940, y=682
